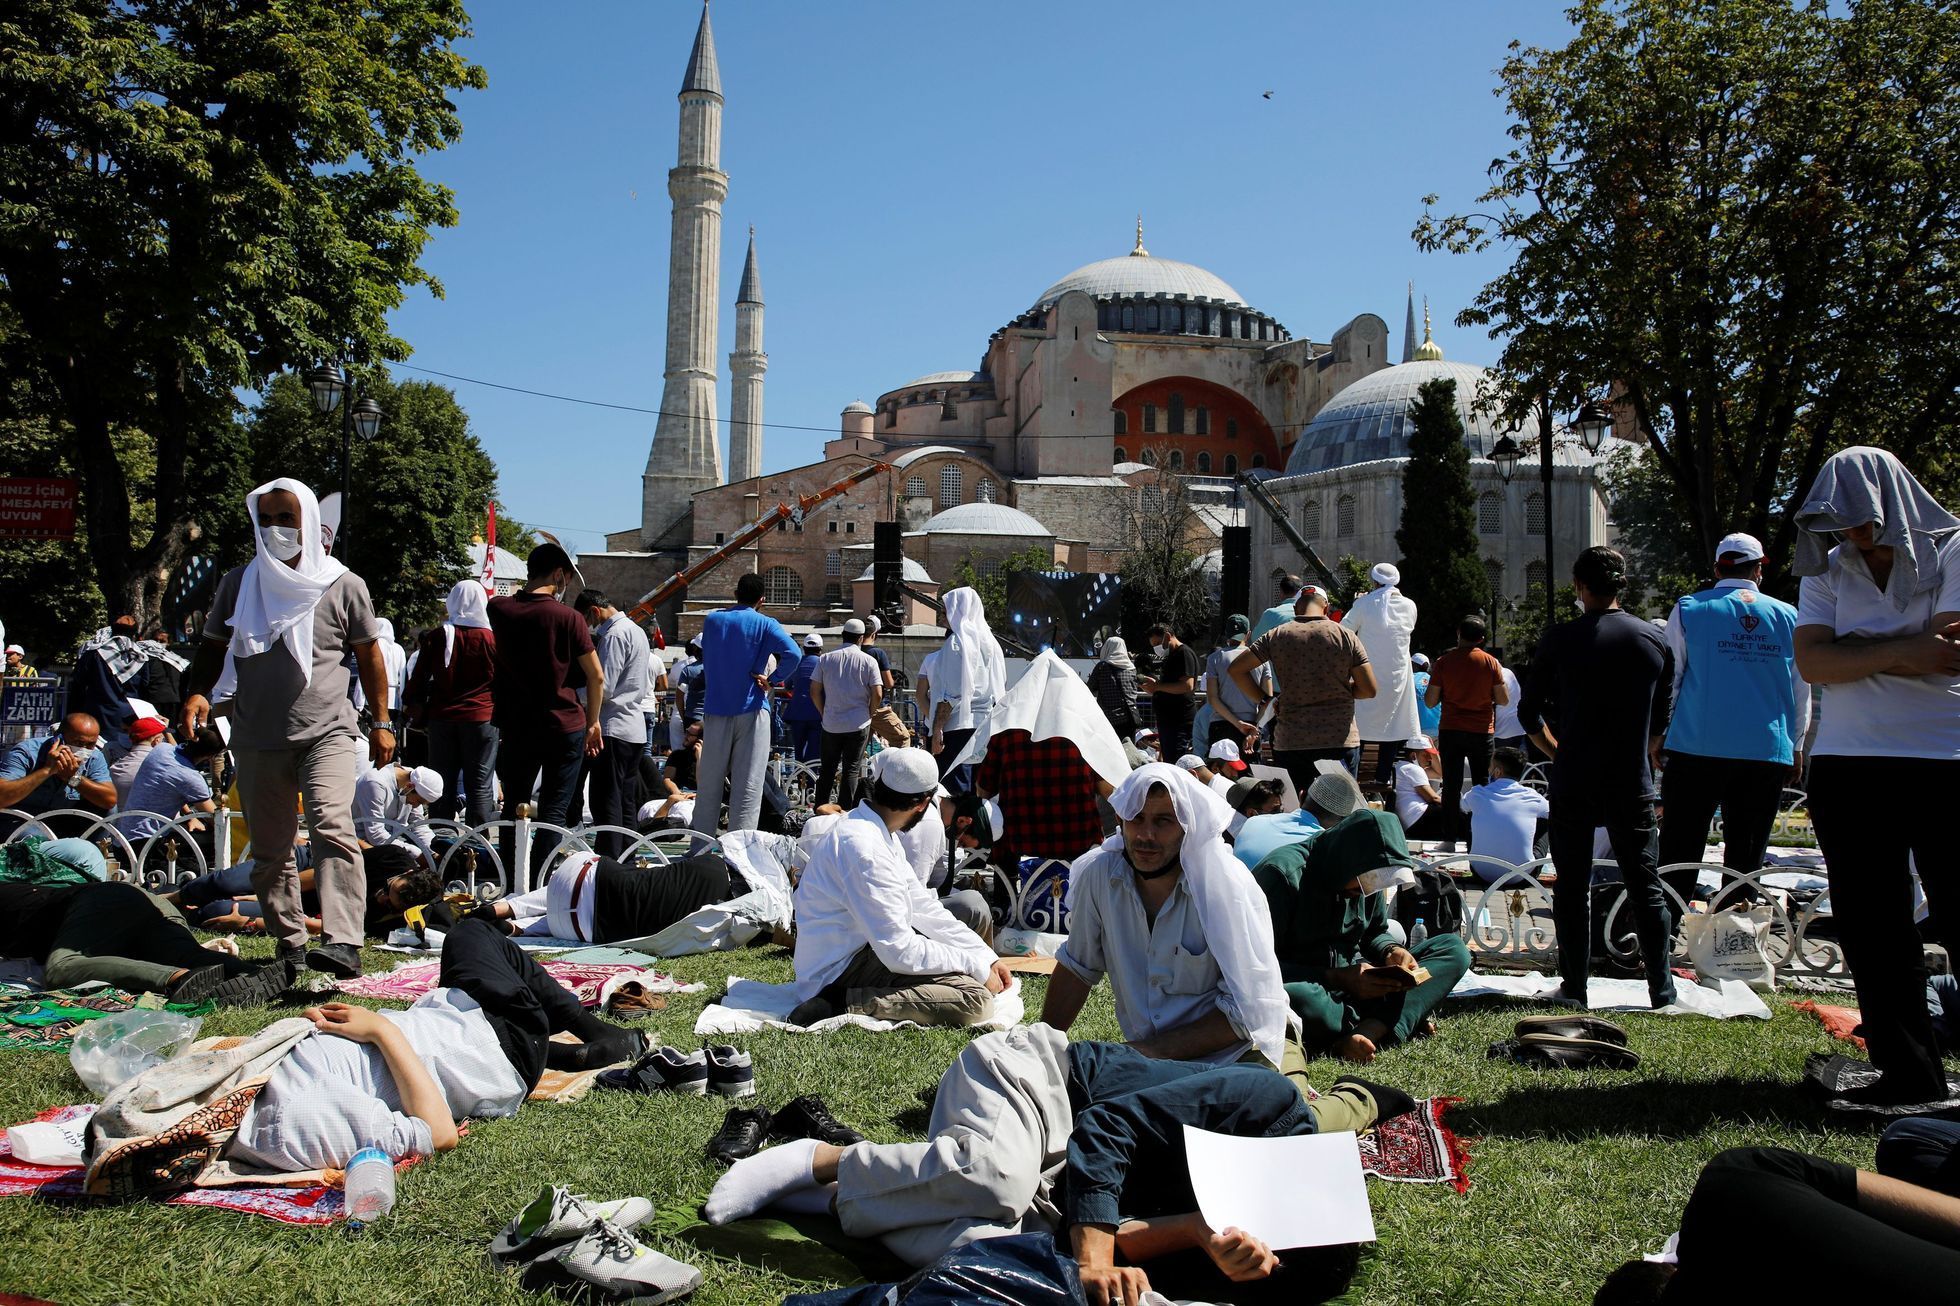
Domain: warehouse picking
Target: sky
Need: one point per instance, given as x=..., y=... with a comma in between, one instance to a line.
x=917, y=173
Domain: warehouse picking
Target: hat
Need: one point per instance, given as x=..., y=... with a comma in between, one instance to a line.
x=1310, y=592
x=1385, y=573
x=909, y=771
x=1420, y=744
x=854, y=627
x=873, y=624
x=147, y=727
x=15, y=648
x=1236, y=624
x=426, y=781
x=1334, y=793
x=996, y=822
x=1738, y=547
x=1227, y=750
x=1420, y=661
x=813, y=640
x=1191, y=762
x=1241, y=792
x=1143, y=734
x=694, y=647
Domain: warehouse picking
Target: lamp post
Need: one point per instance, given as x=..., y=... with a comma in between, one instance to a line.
x=1592, y=423
x=328, y=384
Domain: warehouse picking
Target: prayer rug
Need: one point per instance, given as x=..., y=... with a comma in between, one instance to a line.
x=1418, y=1148
x=752, y=1005
x=1732, y=999
x=412, y=979
x=48, y=1021
x=1838, y=1022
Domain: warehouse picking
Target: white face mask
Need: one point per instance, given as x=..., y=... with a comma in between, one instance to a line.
x=282, y=542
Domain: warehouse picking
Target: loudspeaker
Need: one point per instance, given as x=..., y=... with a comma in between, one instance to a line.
x=887, y=571
x=1235, y=591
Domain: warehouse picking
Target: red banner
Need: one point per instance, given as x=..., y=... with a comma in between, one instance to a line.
x=37, y=508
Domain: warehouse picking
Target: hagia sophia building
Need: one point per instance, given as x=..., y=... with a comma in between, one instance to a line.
x=1125, y=370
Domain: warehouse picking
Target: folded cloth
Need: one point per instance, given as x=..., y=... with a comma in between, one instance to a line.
x=752, y=1005
x=1838, y=1022
x=1733, y=999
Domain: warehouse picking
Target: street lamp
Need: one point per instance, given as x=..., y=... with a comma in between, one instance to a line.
x=329, y=384
x=1592, y=424
x=1505, y=454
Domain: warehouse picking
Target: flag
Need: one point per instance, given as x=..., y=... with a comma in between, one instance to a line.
x=490, y=549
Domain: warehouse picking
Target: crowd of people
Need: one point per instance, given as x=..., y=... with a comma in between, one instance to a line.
x=1227, y=861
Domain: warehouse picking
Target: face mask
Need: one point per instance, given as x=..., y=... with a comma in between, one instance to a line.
x=82, y=754
x=282, y=542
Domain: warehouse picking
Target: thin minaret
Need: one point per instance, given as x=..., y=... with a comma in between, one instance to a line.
x=1409, y=331
x=686, y=453
x=745, y=368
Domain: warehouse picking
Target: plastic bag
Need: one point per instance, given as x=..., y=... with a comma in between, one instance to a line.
x=1732, y=945
x=117, y=1048
x=1022, y=1270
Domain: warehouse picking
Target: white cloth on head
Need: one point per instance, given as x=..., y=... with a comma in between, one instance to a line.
x=1117, y=653
x=1385, y=573
x=383, y=814
x=1861, y=486
x=275, y=601
x=468, y=604
x=1050, y=700
x=974, y=675
x=1238, y=924
x=1385, y=621
x=394, y=667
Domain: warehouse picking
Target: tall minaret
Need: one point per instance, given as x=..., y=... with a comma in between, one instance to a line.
x=686, y=454
x=1409, y=331
x=745, y=368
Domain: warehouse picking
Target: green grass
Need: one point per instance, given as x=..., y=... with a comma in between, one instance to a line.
x=1573, y=1173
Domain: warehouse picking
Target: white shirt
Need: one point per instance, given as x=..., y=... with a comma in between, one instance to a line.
x=382, y=814
x=925, y=849
x=1410, y=804
x=1506, y=725
x=1884, y=716
x=330, y=1097
x=1504, y=818
x=859, y=889
x=394, y=666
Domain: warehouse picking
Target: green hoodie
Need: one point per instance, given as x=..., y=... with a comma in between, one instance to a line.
x=1316, y=928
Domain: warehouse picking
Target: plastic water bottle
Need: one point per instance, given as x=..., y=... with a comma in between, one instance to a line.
x=1417, y=933
x=370, y=1185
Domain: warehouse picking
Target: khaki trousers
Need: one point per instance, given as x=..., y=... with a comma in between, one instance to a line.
x=272, y=784
x=868, y=988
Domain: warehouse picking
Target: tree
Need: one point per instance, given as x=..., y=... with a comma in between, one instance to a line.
x=1738, y=216
x=991, y=582
x=1351, y=580
x=1441, y=567
x=1663, y=560
x=1522, y=624
x=195, y=198
x=1162, y=577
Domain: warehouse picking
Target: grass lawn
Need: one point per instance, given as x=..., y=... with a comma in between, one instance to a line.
x=1573, y=1173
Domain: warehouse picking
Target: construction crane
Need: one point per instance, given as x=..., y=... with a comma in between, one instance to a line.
x=1263, y=497
x=643, y=611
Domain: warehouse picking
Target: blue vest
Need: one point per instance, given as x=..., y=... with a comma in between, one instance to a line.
x=1736, y=698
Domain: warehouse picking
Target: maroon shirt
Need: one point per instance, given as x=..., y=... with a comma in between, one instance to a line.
x=459, y=691
x=539, y=643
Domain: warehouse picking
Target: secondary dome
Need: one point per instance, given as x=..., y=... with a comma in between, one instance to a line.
x=984, y=519
x=915, y=573
x=1141, y=274
x=1370, y=419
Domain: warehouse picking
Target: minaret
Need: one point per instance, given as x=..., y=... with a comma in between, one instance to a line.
x=746, y=366
x=686, y=454
x=1409, y=331
x=1428, y=351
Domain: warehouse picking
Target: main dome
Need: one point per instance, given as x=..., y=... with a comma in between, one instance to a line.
x=1369, y=420
x=1140, y=274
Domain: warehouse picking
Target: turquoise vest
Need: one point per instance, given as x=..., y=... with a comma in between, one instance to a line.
x=1736, y=699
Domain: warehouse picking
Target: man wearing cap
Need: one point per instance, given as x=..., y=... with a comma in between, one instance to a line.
x=146, y=735
x=173, y=781
x=929, y=844
x=624, y=657
x=391, y=806
x=1144, y=745
x=1320, y=670
x=884, y=718
x=1431, y=717
x=872, y=939
x=544, y=655
x=740, y=644
x=17, y=666
x=800, y=711
x=847, y=688
x=1740, y=713
x=1385, y=621
x=1328, y=800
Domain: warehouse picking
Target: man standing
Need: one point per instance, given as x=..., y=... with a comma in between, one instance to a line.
x=1235, y=716
x=804, y=717
x=62, y=771
x=1741, y=710
x=846, y=688
x=739, y=643
x=623, y=657
x=1467, y=684
x=278, y=633
x=1320, y=669
x=1384, y=619
x=1281, y=612
x=17, y=664
x=884, y=718
x=1173, y=690
x=1606, y=680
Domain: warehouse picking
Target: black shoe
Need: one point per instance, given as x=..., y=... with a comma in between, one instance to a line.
x=293, y=955
x=742, y=1133
x=255, y=988
x=340, y=960
x=625, y=1045
x=808, y=1117
x=197, y=985
x=1389, y=1102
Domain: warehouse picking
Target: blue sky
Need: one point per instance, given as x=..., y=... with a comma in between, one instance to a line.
x=917, y=173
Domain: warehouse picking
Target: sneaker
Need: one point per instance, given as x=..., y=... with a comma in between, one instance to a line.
x=808, y=1117
x=197, y=985
x=663, y=1070
x=293, y=955
x=557, y=1218
x=731, y=1072
x=340, y=960
x=625, y=1269
x=742, y=1133
x=255, y=988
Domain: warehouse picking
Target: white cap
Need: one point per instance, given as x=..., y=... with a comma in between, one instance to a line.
x=1385, y=573
x=1419, y=660
x=427, y=782
x=1419, y=744
x=1143, y=734
x=15, y=648
x=813, y=640
x=1226, y=751
x=854, y=627
x=1738, y=547
x=995, y=821
x=906, y=770
x=873, y=623
x=1191, y=762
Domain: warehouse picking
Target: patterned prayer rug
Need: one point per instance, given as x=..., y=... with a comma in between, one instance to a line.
x=47, y=1021
x=412, y=979
x=1418, y=1148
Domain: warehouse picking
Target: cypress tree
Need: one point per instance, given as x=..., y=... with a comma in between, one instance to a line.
x=1441, y=568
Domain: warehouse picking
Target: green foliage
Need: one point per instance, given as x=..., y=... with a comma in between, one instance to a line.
x=1350, y=580
x=1663, y=559
x=1441, y=567
x=195, y=198
x=1162, y=580
x=1521, y=624
x=1737, y=214
x=51, y=603
x=991, y=582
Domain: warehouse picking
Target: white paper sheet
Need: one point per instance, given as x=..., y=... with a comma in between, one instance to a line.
x=1728, y=1002
x=1303, y=1191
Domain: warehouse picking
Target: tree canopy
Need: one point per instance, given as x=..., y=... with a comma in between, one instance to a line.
x=1442, y=569
x=1738, y=218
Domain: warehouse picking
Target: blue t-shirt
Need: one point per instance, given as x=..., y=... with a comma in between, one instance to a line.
x=800, y=707
x=738, y=643
x=1739, y=694
x=1431, y=718
x=693, y=684
x=1261, y=834
x=23, y=757
x=165, y=785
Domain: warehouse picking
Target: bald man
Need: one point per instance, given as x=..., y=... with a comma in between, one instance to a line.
x=62, y=771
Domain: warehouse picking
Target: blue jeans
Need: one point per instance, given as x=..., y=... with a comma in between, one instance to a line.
x=808, y=736
x=214, y=893
x=1922, y=1151
x=467, y=749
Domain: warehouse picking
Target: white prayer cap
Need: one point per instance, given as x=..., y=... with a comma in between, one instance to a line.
x=1226, y=751
x=1420, y=744
x=813, y=640
x=1739, y=547
x=910, y=771
x=1191, y=762
x=1335, y=793
x=873, y=624
x=995, y=821
x=427, y=782
x=1385, y=573
x=854, y=627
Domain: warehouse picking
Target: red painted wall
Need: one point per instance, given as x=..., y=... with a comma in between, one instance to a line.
x=1254, y=438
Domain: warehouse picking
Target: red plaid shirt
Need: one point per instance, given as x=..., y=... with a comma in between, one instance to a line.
x=1047, y=797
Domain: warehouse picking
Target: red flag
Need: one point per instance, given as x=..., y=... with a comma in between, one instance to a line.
x=490, y=549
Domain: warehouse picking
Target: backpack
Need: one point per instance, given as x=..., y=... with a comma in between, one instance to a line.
x=1435, y=898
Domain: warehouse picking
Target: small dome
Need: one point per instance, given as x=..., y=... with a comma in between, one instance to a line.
x=856, y=406
x=1140, y=274
x=985, y=519
x=942, y=378
x=915, y=574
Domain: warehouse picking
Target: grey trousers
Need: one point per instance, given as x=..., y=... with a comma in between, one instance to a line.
x=969, y=907
x=272, y=784
x=997, y=1138
x=734, y=749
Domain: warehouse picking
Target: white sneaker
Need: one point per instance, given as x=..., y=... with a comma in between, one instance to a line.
x=557, y=1218
x=625, y=1269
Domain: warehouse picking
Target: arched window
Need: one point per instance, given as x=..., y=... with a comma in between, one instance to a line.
x=947, y=409
x=1148, y=457
x=1176, y=414
x=1278, y=579
x=1204, y=464
x=1278, y=535
x=1344, y=516
x=1490, y=513
x=1177, y=460
x=915, y=487
x=1204, y=420
x=833, y=563
x=1150, y=419
x=1534, y=513
x=1122, y=422
x=1121, y=457
x=782, y=588
x=891, y=414
x=1259, y=460
x=1494, y=573
x=949, y=485
x=984, y=492
x=1231, y=428
x=1231, y=464
x=1310, y=519
x=1534, y=575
